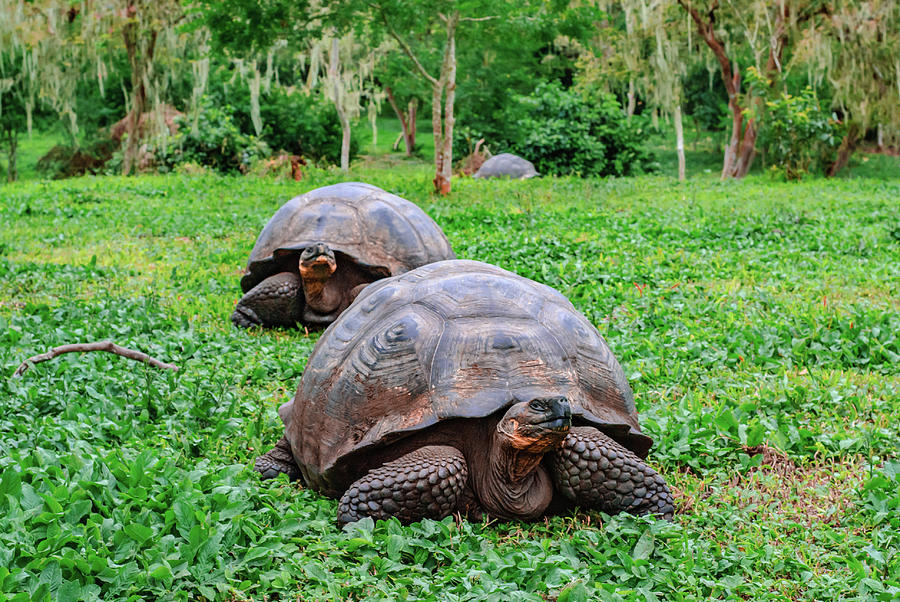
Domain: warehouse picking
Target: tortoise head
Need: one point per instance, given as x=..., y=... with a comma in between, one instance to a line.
x=317, y=261
x=536, y=426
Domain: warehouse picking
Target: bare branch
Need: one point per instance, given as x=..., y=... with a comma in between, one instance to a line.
x=407, y=50
x=108, y=346
x=707, y=31
x=473, y=19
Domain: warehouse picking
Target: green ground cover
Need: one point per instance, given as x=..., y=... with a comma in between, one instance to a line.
x=757, y=323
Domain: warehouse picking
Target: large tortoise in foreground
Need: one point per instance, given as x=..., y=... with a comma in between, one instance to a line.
x=461, y=387
x=321, y=248
x=506, y=165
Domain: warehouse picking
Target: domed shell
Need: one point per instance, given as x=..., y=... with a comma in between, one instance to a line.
x=506, y=165
x=453, y=339
x=379, y=230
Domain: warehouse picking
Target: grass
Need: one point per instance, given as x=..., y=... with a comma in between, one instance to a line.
x=757, y=322
x=30, y=149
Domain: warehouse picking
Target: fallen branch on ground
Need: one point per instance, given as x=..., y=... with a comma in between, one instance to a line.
x=108, y=346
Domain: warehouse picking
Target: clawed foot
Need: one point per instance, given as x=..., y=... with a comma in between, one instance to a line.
x=276, y=461
x=244, y=317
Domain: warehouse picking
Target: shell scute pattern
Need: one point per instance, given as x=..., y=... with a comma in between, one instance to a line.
x=378, y=230
x=506, y=165
x=449, y=340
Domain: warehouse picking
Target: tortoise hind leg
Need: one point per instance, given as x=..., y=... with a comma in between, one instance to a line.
x=427, y=483
x=276, y=301
x=594, y=471
x=277, y=460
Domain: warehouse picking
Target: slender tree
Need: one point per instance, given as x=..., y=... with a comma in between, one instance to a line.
x=38, y=63
x=426, y=33
x=347, y=80
x=68, y=42
x=644, y=44
x=15, y=95
x=442, y=81
x=331, y=58
x=755, y=33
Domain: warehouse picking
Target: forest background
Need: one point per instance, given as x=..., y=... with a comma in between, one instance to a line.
x=795, y=86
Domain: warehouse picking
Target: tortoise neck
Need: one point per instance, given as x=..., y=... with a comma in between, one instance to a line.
x=319, y=296
x=515, y=485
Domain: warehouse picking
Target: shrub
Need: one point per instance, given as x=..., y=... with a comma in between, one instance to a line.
x=797, y=136
x=563, y=133
x=218, y=142
x=293, y=121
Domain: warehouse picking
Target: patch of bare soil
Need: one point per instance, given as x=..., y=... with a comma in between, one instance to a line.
x=810, y=494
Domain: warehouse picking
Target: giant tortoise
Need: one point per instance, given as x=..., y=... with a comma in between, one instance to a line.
x=321, y=248
x=506, y=165
x=461, y=387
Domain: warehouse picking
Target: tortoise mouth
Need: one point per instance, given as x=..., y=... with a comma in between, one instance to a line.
x=317, y=262
x=561, y=424
x=317, y=253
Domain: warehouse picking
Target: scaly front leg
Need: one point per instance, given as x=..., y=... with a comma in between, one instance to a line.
x=427, y=483
x=276, y=301
x=594, y=471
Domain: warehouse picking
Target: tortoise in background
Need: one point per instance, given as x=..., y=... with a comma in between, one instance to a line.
x=461, y=387
x=506, y=165
x=321, y=248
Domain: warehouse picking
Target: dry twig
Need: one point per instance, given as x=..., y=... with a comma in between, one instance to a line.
x=108, y=346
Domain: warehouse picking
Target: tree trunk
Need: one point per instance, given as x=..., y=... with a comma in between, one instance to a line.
x=12, y=138
x=436, y=129
x=138, y=107
x=741, y=148
x=139, y=59
x=880, y=138
x=445, y=84
x=345, y=143
x=407, y=122
x=679, y=142
x=410, y=138
x=746, y=151
x=845, y=150
x=334, y=75
x=629, y=111
x=448, y=76
x=13, y=172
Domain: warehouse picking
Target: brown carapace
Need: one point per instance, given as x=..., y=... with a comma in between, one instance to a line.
x=321, y=248
x=461, y=387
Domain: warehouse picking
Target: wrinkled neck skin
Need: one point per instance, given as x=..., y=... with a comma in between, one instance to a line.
x=322, y=292
x=515, y=485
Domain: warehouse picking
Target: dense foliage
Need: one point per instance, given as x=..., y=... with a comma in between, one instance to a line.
x=223, y=139
x=562, y=132
x=756, y=322
x=298, y=122
x=215, y=142
x=705, y=99
x=798, y=136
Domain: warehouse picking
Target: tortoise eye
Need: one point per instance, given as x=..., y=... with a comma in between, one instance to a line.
x=539, y=405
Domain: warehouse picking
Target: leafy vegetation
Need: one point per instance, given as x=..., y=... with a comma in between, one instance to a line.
x=563, y=133
x=798, y=136
x=216, y=142
x=297, y=122
x=757, y=323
